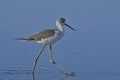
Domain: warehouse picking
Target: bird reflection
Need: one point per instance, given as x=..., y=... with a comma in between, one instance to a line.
x=63, y=78
x=41, y=73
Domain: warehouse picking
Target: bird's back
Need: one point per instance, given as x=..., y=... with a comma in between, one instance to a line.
x=39, y=35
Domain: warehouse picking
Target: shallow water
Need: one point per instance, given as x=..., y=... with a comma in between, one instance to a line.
x=13, y=72
x=24, y=73
x=92, y=52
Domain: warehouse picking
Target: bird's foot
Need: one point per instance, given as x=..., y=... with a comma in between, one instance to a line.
x=70, y=73
x=53, y=62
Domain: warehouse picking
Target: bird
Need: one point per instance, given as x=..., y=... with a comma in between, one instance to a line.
x=49, y=37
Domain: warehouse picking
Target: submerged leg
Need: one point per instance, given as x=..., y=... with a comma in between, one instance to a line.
x=59, y=66
x=35, y=62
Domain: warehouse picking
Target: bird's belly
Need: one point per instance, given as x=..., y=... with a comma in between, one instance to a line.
x=51, y=40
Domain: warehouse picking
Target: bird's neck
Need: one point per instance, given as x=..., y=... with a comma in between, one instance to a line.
x=59, y=26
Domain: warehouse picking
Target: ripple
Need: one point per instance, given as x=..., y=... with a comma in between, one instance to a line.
x=24, y=72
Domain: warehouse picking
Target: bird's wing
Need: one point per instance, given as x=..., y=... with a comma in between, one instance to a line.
x=39, y=35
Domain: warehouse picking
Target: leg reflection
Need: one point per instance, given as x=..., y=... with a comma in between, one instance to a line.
x=65, y=77
x=33, y=76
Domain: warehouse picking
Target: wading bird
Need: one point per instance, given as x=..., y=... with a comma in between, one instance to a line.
x=48, y=37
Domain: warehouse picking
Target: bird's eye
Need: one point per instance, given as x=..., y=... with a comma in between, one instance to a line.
x=61, y=20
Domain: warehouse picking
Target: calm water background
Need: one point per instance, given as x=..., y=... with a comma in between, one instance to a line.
x=93, y=51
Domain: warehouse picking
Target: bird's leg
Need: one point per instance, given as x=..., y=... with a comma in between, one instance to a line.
x=59, y=66
x=35, y=62
x=51, y=60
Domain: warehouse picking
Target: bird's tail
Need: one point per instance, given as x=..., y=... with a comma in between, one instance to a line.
x=19, y=39
x=24, y=39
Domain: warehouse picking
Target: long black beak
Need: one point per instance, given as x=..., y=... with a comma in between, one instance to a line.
x=70, y=27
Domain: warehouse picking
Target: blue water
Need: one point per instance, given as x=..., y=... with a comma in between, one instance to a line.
x=92, y=52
